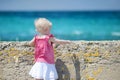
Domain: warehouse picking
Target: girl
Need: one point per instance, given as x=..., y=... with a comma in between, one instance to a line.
x=44, y=67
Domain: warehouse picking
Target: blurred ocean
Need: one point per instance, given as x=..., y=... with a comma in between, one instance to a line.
x=77, y=25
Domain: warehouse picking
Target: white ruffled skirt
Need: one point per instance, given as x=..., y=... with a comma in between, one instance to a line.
x=44, y=71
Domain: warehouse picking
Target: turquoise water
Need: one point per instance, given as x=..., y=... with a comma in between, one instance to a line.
x=99, y=25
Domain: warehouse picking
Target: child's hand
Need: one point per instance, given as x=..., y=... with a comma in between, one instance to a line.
x=68, y=41
x=25, y=44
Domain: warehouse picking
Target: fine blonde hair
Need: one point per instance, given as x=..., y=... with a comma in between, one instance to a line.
x=43, y=23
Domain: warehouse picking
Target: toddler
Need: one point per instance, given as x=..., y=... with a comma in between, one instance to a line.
x=44, y=67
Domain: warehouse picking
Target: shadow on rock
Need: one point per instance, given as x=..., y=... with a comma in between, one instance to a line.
x=77, y=66
x=62, y=70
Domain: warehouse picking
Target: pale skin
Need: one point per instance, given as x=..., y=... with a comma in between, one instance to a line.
x=44, y=32
x=54, y=40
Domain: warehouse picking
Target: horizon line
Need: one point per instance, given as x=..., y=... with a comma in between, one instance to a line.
x=57, y=10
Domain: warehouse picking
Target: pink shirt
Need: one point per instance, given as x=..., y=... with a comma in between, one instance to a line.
x=44, y=51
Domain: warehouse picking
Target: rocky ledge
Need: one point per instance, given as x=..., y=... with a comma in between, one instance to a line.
x=80, y=60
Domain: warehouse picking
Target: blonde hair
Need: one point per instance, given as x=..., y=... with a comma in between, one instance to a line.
x=43, y=23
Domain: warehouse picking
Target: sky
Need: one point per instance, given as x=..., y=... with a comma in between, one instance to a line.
x=48, y=5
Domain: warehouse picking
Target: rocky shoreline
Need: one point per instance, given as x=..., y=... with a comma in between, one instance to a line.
x=80, y=60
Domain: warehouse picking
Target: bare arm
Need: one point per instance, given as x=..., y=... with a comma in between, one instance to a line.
x=31, y=43
x=59, y=41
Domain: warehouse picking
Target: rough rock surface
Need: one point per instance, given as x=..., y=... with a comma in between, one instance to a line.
x=80, y=60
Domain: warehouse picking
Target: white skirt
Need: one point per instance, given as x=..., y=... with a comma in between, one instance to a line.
x=44, y=71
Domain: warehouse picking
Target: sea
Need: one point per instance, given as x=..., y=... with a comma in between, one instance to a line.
x=68, y=25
